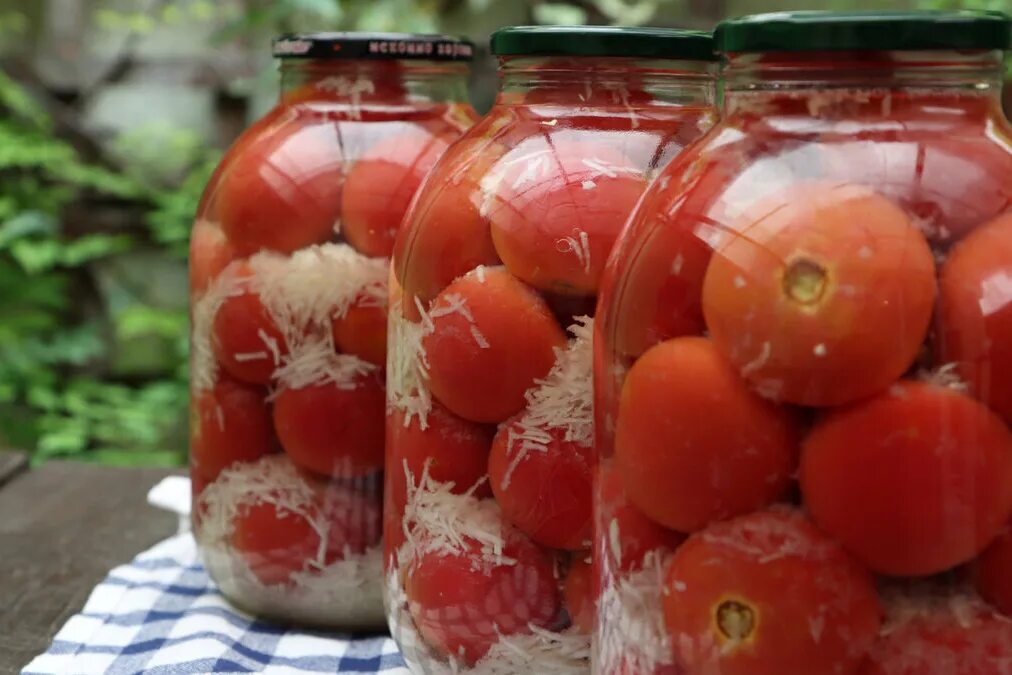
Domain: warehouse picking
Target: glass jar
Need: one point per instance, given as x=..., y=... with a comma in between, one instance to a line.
x=804, y=365
x=490, y=428
x=289, y=266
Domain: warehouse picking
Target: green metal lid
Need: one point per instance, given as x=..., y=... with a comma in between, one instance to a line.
x=841, y=31
x=661, y=43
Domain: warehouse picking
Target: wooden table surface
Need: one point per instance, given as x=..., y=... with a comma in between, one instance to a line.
x=63, y=526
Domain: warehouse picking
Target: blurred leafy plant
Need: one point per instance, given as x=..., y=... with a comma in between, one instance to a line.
x=56, y=395
x=296, y=15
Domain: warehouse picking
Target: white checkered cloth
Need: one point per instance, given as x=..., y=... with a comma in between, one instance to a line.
x=161, y=615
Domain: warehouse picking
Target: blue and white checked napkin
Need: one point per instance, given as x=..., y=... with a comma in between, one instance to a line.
x=160, y=615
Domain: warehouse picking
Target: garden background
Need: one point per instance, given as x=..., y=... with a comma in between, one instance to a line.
x=112, y=116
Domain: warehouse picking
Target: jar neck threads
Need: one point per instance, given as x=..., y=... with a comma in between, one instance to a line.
x=602, y=81
x=975, y=75
x=352, y=80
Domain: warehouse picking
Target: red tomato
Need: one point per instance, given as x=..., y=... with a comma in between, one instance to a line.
x=768, y=594
x=210, y=253
x=543, y=488
x=693, y=444
x=556, y=208
x=946, y=641
x=453, y=449
x=353, y=519
x=445, y=235
x=380, y=187
x=657, y=291
x=975, y=313
x=992, y=573
x=580, y=594
x=938, y=157
x=393, y=535
x=664, y=283
x=960, y=182
x=284, y=191
x=245, y=339
x=626, y=535
x=913, y=481
x=492, y=337
x=362, y=330
x=462, y=603
x=333, y=430
x=814, y=310
x=231, y=423
x=277, y=542
x=207, y=208
x=274, y=541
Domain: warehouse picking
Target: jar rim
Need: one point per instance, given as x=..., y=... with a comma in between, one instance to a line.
x=372, y=46
x=633, y=41
x=818, y=30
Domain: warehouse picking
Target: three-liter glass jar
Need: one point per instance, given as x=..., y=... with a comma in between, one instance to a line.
x=804, y=365
x=289, y=268
x=488, y=512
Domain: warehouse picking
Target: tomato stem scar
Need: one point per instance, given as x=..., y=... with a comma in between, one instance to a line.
x=735, y=620
x=805, y=281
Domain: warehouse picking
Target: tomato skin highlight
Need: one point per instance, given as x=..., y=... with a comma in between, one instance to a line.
x=975, y=313
x=283, y=192
x=813, y=310
x=666, y=281
x=992, y=573
x=210, y=254
x=693, y=444
x=555, y=231
x=946, y=167
x=547, y=495
x=207, y=208
x=768, y=594
x=231, y=423
x=483, y=377
x=446, y=235
x=461, y=604
x=580, y=594
x=453, y=450
x=362, y=331
x=380, y=187
x=333, y=431
x=913, y=481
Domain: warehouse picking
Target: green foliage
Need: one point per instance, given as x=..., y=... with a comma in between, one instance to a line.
x=559, y=14
x=172, y=211
x=58, y=396
x=104, y=421
x=996, y=5
x=421, y=16
x=144, y=19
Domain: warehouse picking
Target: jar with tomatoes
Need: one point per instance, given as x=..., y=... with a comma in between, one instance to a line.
x=804, y=365
x=489, y=387
x=289, y=263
